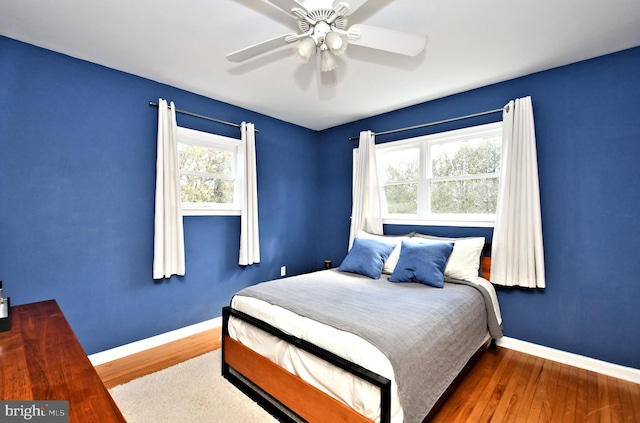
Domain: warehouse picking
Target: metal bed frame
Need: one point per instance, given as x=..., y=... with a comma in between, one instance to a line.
x=278, y=405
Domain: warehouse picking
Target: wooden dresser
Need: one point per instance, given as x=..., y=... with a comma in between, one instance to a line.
x=41, y=359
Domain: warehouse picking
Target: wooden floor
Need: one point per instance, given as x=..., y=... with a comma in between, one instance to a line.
x=510, y=386
x=136, y=365
x=503, y=386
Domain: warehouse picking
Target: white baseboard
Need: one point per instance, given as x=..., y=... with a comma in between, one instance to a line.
x=154, y=341
x=621, y=372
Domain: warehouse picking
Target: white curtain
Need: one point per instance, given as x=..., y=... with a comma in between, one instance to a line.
x=365, y=213
x=517, y=248
x=249, y=233
x=168, y=237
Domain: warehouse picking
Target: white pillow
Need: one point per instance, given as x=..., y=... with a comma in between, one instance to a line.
x=464, y=262
x=392, y=260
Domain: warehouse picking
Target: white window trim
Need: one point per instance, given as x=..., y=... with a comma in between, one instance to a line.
x=206, y=139
x=204, y=211
x=430, y=219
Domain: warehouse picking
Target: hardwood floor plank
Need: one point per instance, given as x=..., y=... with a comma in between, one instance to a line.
x=626, y=402
x=615, y=397
x=562, y=398
x=514, y=399
x=604, y=408
x=581, y=384
x=485, y=397
x=497, y=395
x=569, y=410
x=530, y=389
x=504, y=386
x=634, y=394
x=458, y=405
x=592, y=398
x=136, y=365
x=547, y=394
x=540, y=393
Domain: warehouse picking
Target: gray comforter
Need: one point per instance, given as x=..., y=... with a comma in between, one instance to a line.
x=428, y=334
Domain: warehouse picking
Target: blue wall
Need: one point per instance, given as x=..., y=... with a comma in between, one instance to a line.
x=77, y=180
x=77, y=175
x=588, y=134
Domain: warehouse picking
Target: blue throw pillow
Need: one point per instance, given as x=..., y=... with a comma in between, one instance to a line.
x=366, y=257
x=422, y=262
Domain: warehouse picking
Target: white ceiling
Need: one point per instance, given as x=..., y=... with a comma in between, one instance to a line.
x=472, y=43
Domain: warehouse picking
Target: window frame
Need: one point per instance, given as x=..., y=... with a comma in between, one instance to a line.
x=424, y=144
x=187, y=136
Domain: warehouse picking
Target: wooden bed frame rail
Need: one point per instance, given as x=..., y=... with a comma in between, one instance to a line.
x=264, y=381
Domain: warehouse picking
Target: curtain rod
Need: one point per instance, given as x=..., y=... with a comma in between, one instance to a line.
x=435, y=123
x=184, y=112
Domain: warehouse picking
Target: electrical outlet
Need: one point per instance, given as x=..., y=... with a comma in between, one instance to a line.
x=283, y=271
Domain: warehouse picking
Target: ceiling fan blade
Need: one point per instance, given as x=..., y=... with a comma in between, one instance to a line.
x=286, y=5
x=391, y=40
x=352, y=4
x=260, y=48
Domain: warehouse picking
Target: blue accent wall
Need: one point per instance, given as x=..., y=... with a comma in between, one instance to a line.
x=77, y=179
x=588, y=134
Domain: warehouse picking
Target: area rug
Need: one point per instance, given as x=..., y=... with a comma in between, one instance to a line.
x=192, y=391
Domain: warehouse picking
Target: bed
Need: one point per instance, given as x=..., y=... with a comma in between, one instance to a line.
x=382, y=338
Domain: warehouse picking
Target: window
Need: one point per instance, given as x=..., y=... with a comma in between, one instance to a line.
x=210, y=181
x=450, y=178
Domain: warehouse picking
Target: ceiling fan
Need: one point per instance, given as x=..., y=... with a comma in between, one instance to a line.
x=324, y=27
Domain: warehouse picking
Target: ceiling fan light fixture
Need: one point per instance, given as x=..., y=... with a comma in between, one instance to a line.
x=336, y=42
x=305, y=49
x=324, y=28
x=328, y=61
